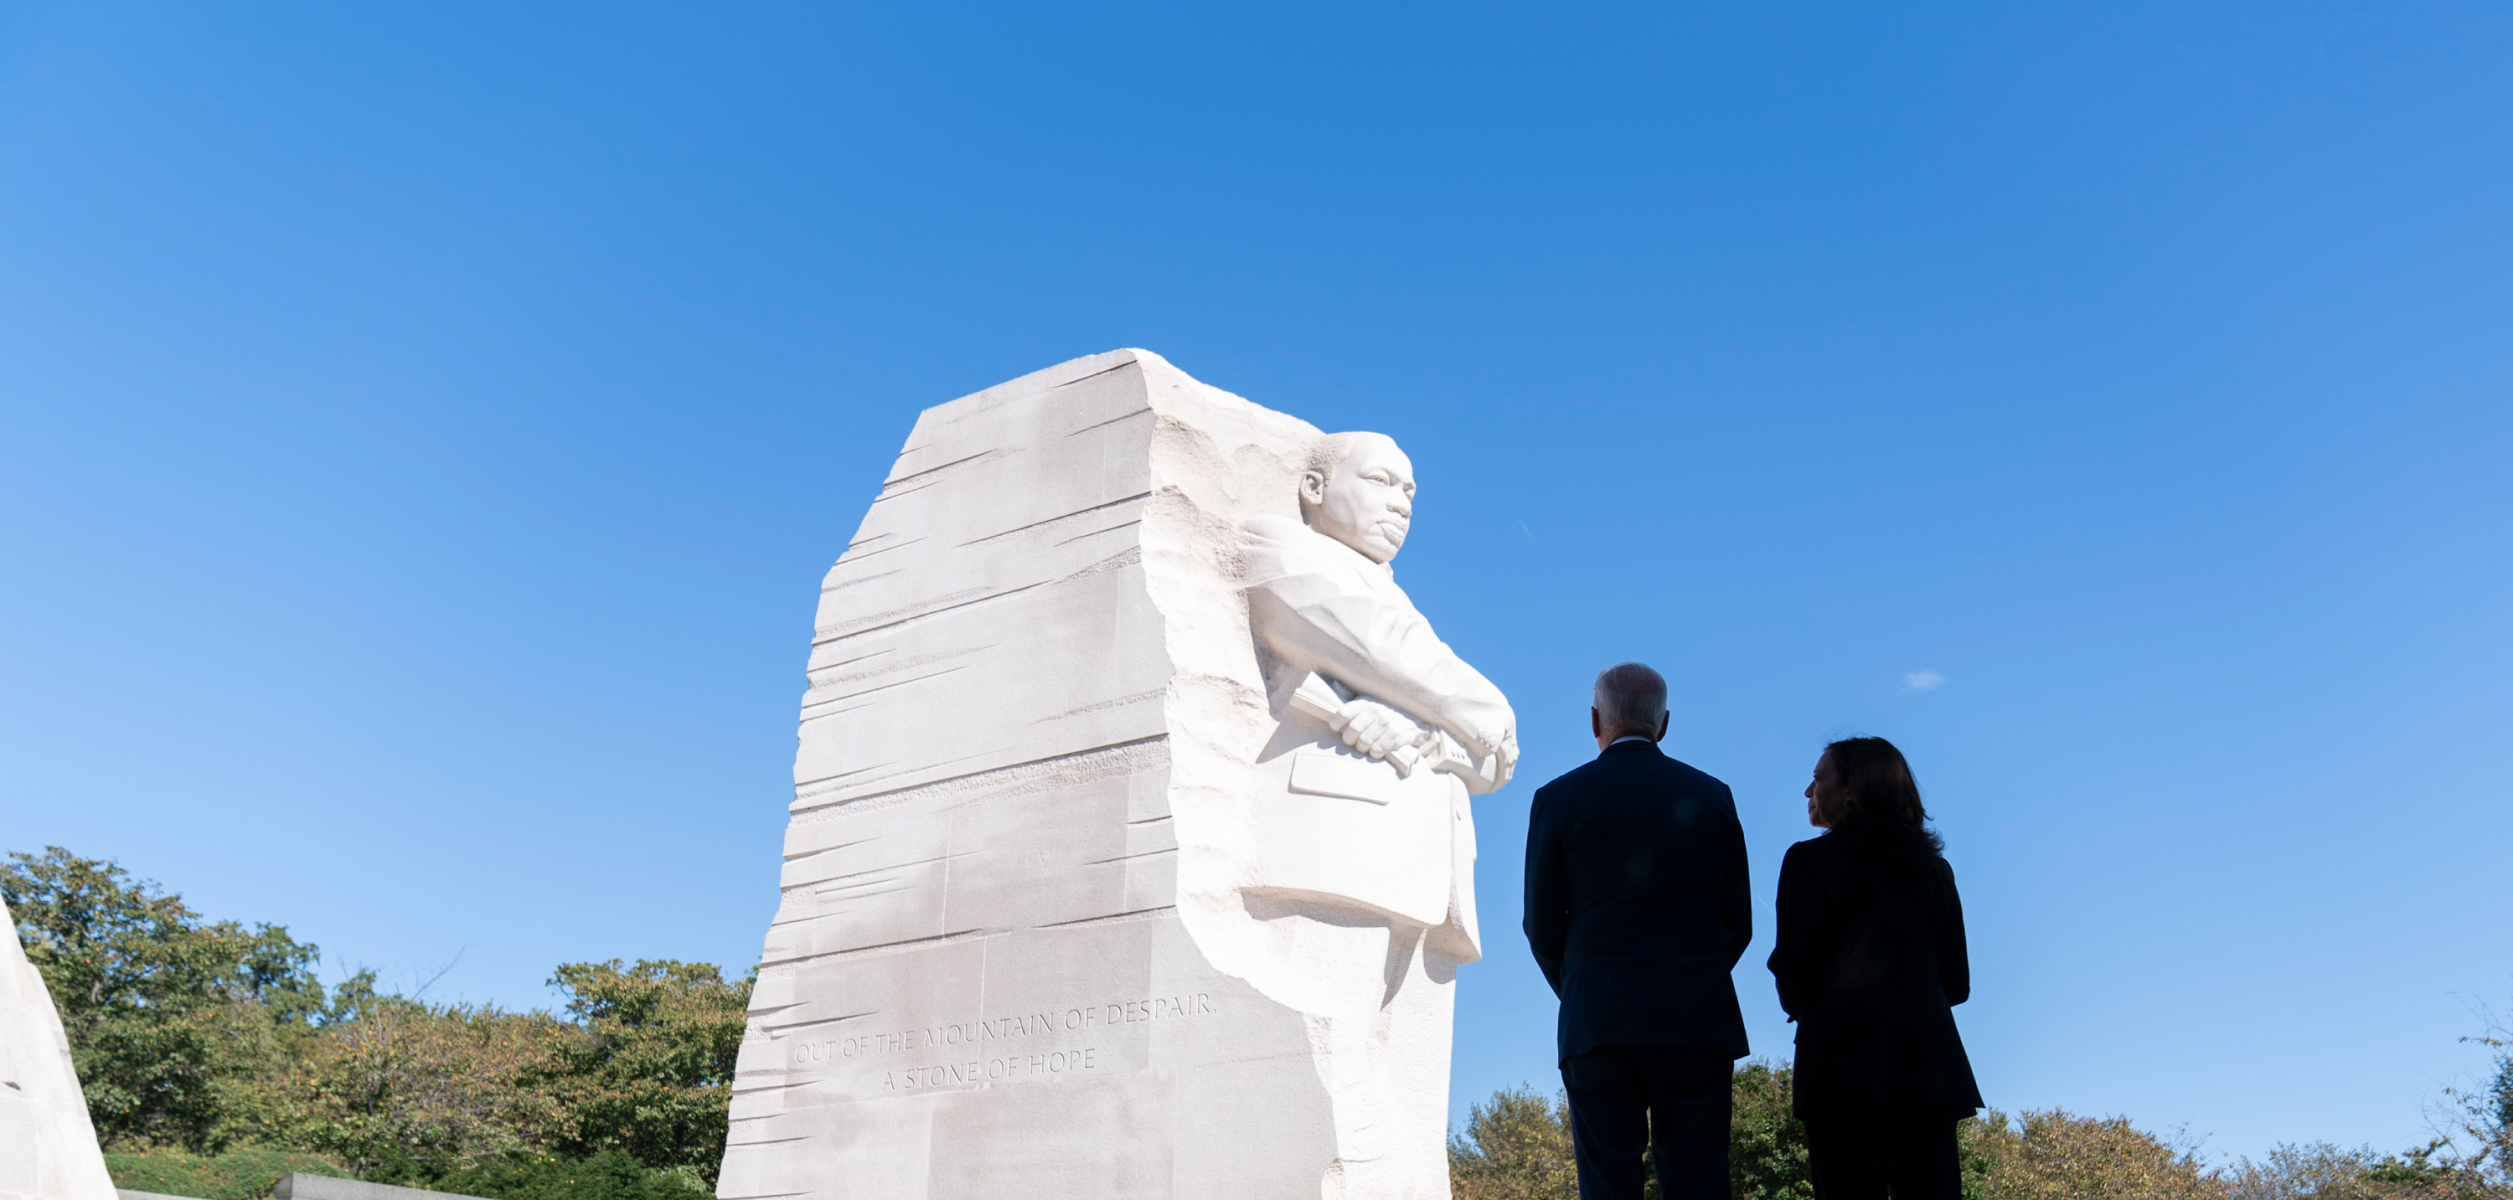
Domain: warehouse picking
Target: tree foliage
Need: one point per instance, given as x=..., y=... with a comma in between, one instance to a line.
x=167, y=1014
x=400, y=1085
x=195, y=1037
x=213, y=1058
x=2056, y=1155
x=648, y=1071
x=1517, y=1146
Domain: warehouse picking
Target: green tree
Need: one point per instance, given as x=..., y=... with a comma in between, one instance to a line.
x=650, y=1071
x=2488, y=1116
x=2056, y=1155
x=1516, y=1146
x=1766, y=1142
x=402, y=1089
x=168, y=1016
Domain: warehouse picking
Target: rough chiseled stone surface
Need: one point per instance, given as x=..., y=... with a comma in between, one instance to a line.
x=1080, y=899
x=47, y=1146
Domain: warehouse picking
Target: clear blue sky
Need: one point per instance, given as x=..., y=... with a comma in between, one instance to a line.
x=422, y=431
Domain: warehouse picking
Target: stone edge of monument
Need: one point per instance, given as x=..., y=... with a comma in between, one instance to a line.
x=297, y=1185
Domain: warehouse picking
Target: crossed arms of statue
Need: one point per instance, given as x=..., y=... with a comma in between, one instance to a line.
x=1386, y=652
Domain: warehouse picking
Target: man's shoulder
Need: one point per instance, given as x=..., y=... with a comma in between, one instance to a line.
x=1694, y=776
x=1621, y=767
x=1276, y=527
x=1279, y=547
x=1573, y=780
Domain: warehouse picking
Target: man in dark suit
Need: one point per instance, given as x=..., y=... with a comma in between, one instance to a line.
x=1637, y=910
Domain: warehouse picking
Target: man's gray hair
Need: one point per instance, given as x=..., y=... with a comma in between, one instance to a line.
x=1631, y=698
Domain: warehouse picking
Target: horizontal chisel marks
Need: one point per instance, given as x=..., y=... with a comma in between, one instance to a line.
x=810, y=792
x=1101, y=862
x=816, y=788
x=1098, y=532
x=826, y=780
x=947, y=602
x=1082, y=379
x=1019, y=779
x=897, y=947
x=832, y=885
x=809, y=715
x=856, y=554
x=839, y=906
x=858, y=581
x=891, y=486
x=1075, y=515
x=1131, y=556
x=1140, y=914
x=1105, y=705
x=1140, y=412
x=818, y=1022
x=830, y=849
x=835, y=663
x=828, y=686
x=830, y=676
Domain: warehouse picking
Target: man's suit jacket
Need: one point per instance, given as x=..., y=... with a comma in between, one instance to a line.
x=1637, y=903
x=1870, y=963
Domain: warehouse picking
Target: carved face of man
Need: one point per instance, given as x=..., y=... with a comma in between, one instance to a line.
x=1368, y=502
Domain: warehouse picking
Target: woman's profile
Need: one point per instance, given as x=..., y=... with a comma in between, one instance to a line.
x=1870, y=964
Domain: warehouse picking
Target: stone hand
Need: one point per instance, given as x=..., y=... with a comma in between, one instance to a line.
x=1376, y=729
x=1505, y=759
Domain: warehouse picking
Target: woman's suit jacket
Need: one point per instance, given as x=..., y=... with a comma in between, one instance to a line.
x=1870, y=963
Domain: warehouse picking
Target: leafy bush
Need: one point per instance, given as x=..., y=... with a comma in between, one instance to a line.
x=648, y=1070
x=2061, y=1156
x=400, y=1083
x=240, y=1173
x=2325, y=1172
x=198, y=1036
x=169, y=1016
x=609, y=1175
x=1516, y=1146
x=1766, y=1142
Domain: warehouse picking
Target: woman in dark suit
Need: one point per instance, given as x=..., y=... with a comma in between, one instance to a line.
x=1870, y=965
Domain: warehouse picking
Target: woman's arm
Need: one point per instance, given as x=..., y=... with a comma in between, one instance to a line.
x=1800, y=910
x=1954, y=961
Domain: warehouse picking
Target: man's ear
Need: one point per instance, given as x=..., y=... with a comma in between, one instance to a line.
x=1596, y=724
x=1313, y=487
x=1663, y=718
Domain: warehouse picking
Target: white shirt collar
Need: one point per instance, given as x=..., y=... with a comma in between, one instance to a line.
x=1629, y=737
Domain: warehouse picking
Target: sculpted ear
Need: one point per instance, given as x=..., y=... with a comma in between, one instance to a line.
x=1313, y=487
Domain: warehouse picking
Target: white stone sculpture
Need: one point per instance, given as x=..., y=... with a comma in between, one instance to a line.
x=47, y=1145
x=1130, y=852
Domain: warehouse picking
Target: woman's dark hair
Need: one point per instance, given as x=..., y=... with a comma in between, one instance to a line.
x=1877, y=791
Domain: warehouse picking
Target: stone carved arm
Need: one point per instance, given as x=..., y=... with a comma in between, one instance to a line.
x=1365, y=724
x=1388, y=653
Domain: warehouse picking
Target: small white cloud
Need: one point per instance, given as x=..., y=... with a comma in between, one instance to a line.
x=1923, y=681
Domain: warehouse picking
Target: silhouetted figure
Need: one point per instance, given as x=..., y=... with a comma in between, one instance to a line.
x=1637, y=910
x=1870, y=963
